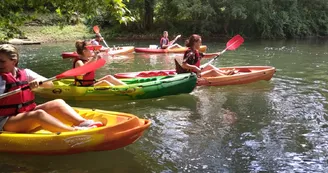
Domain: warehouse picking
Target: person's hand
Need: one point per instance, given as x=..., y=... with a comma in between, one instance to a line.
x=198, y=74
x=197, y=69
x=217, y=53
x=34, y=84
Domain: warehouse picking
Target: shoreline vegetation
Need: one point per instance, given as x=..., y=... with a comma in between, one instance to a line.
x=53, y=34
x=141, y=20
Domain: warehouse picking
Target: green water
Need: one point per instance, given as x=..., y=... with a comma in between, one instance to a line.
x=268, y=126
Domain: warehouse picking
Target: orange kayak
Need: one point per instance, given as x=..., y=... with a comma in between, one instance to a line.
x=244, y=75
x=119, y=130
x=120, y=51
x=174, y=50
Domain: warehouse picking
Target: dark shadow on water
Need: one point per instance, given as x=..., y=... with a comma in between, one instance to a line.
x=116, y=161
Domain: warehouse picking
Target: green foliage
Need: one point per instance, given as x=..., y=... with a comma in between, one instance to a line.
x=252, y=18
x=14, y=13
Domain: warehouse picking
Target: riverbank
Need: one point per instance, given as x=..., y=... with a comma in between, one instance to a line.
x=51, y=34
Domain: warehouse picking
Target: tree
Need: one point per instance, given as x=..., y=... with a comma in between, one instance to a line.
x=14, y=13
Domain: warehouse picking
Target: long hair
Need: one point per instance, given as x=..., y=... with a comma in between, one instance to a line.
x=192, y=40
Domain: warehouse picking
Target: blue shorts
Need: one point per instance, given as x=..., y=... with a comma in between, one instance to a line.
x=3, y=120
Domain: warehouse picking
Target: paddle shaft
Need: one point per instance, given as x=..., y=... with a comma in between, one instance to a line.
x=24, y=88
x=104, y=41
x=209, y=62
x=97, y=31
x=173, y=41
x=72, y=72
x=232, y=44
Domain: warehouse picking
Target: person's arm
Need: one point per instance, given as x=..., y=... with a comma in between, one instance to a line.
x=34, y=79
x=210, y=55
x=174, y=40
x=185, y=65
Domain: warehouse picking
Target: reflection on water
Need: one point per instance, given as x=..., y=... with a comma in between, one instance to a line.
x=268, y=126
x=115, y=161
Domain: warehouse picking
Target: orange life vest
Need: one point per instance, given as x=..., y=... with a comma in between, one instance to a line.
x=88, y=79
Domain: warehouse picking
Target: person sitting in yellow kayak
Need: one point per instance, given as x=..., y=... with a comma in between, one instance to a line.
x=192, y=57
x=166, y=44
x=88, y=79
x=19, y=113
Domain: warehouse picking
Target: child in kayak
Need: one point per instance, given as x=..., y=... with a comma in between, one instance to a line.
x=97, y=41
x=166, y=44
x=192, y=57
x=19, y=113
x=88, y=79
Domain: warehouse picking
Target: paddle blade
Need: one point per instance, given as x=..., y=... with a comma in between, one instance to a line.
x=235, y=42
x=96, y=29
x=94, y=47
x=82, y=69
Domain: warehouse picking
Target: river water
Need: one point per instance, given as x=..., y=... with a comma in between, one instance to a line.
x=269, y=126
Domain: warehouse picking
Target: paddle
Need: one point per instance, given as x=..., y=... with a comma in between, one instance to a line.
x=232, y=44
x=175, y=39
x=69, y=73
x=97, y=31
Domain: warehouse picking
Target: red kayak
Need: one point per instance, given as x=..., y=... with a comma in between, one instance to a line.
x=173, y=50
x=243, y=75
x=120, y=51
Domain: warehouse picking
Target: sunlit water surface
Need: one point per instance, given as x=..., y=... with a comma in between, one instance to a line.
x=268, y=126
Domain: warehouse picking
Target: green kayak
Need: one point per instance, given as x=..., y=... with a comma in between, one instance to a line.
x=136, y=88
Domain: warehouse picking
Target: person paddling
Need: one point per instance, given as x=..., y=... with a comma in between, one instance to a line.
x=88, y=79
x=97, y=41
x=19, y=113
x=192, y=58
x=166, y=44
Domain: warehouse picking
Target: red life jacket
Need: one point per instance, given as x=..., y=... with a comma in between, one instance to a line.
x=20, y=102
x=164, y=41
x=198, y=58
x=195, y=61
x=88, y=78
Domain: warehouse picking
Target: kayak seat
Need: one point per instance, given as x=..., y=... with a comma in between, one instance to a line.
x=244, y=70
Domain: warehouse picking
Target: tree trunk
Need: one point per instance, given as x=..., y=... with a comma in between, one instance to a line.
x=149, y=14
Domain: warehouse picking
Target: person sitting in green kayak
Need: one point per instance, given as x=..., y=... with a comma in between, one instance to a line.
x=88, y=79
x=166, y=44
x=192, y=57
x=19, y=113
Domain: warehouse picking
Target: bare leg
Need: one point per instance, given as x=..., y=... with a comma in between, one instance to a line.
x=218, y=71
x=27, y=121
x=62, y=111
x=174, y=46
x=211, y=73
x=103, y=83
x=111, y=79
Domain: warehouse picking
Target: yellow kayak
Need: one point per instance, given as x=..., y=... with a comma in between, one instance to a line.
x=119, y=130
